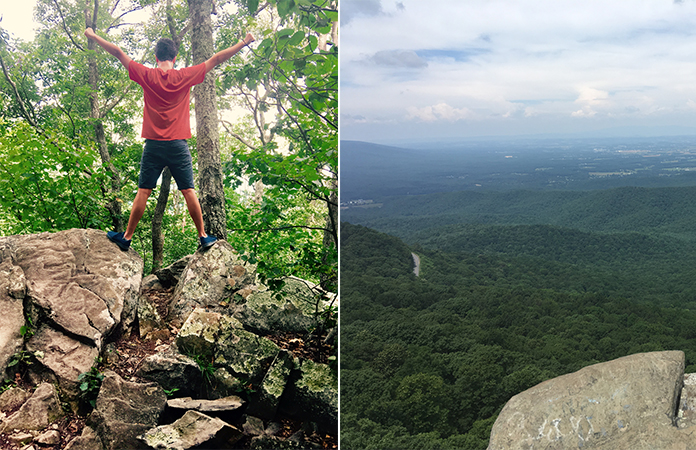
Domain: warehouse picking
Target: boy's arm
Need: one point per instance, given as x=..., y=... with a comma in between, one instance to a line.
x=113, y=49
x=224, y=55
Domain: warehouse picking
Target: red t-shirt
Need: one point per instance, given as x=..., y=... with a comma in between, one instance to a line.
x=166, y=113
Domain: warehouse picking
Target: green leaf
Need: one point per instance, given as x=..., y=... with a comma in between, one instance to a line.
x=252, y=6
x=285, y=7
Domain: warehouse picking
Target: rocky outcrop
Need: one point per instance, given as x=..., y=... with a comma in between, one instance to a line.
x=64, y=294
x=631, y=403
x=71, y=294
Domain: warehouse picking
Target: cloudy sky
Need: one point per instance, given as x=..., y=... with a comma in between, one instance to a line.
x=450, y=68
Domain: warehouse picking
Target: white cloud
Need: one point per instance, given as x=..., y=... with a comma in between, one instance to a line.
x=590, y=100
x=441, y=111
x=398, y=58
x=526, y=63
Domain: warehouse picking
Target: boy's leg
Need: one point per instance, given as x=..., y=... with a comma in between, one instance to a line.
x=194, y=209
x=137, y=211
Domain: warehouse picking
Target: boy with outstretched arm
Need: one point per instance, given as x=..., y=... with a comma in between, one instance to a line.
x=166, y=126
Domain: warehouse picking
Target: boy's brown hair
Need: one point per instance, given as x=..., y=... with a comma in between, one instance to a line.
x=166, y=50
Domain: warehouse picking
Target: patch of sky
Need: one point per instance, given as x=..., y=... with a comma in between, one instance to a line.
x=463, y=55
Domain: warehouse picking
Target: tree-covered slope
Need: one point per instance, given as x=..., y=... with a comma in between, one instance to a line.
x=663, y=210
x=427, y=362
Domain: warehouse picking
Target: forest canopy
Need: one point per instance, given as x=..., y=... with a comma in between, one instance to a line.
x=427, y=362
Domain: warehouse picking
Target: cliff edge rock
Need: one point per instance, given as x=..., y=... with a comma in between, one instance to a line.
x=637, y=402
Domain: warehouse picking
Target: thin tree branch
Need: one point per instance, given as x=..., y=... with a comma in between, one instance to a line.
x=94, y=16
x=17, y=96
x=285, y=227
x=116, y=19
x=236, y=135
x=109, y=106
x=114, y=7
x=65, y=26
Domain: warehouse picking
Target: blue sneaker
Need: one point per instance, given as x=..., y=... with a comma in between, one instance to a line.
x=207, y=242
x=117, y=238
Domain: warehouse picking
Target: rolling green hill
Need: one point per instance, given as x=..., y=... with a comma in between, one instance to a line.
x=654, y=210
x=427, y=362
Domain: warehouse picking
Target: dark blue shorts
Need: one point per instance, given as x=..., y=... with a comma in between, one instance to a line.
x=159, y=154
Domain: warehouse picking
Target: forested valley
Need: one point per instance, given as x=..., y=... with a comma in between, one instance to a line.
x=515, y=287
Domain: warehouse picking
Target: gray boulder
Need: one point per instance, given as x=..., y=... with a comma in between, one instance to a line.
x=264, y=403
x=313, y=395
x=125, y=410
x=150, y=282
x=149, y=319
x=245, y=354
x=170, y=275
x=12, y=290
x=626, y=404
x=193, y=429
x=214, y=280
x=64, y=357
x=173, y=371
x=88, y=440
x=42, y=408
x=214, y=337
x=201, y=331
x=47, y=438
x=13, y=398
x=293, y=311
x=79, y=282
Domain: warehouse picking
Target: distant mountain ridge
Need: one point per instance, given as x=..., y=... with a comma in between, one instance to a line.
x=373, y=171
x=626, y=209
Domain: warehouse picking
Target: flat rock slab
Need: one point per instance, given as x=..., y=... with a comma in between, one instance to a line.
x=192, y=430
x=626, y=404
x=230, y=403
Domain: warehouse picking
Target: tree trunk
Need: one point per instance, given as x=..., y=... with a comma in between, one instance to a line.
x=113, y=206
x=329, y=282
x=210, y=188
x=157, y=234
